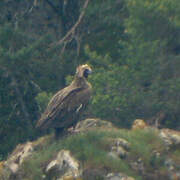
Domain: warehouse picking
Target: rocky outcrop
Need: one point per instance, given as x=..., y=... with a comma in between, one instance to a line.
x=88, y=124
x=9, y=168
x=18, y=156
x=170, y=137
x=171, y=140
x=173, y=169
x=116, y=145
x=64, y=166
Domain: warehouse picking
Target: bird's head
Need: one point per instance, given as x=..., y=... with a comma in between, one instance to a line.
x=83, y=71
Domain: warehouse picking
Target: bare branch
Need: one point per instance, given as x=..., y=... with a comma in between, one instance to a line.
x=34, y=5
x=53, y=6
x=13, y=110
x=69, y=35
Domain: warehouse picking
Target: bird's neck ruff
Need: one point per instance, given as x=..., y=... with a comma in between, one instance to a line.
x=80, y=82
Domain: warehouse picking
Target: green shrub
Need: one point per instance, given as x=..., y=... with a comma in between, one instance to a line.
x=43, y=99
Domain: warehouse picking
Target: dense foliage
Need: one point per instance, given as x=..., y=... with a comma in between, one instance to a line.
x=132, y=45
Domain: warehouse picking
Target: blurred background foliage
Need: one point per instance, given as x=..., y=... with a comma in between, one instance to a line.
x=133, y=47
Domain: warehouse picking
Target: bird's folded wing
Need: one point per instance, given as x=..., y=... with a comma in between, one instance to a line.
x=57, y=105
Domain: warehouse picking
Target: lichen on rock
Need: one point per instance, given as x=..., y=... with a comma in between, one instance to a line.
x=170, y=137
x=119, y=148
x=118, y=176
x=139, y=124
x=89, y=123
x=18, y=156
x=64, y=165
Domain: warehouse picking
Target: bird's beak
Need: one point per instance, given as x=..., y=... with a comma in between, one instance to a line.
x=89, y=71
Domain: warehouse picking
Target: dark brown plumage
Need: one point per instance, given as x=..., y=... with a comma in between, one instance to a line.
x=65, y=106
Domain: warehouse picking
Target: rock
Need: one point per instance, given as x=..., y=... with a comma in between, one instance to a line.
x=138, y=166
x=1, y=165
x=169, y=164
x=22, y=152
x=173, y=169
x=63, y=166
x=91, y=123
x=119, y=152
x=122, y=142
x=170, y=137
x=10, y=168
x=118, y=176
x=119, y=148
x=113, y=155
x=139, y=124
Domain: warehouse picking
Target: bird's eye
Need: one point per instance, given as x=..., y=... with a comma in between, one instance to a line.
x=86, y=73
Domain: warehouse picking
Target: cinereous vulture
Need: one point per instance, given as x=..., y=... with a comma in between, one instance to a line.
x=65, y=106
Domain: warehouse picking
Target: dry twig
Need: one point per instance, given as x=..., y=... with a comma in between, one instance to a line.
x=69, y=35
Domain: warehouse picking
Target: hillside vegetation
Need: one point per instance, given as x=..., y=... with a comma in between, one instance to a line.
x=133, y=47
x=96, y=151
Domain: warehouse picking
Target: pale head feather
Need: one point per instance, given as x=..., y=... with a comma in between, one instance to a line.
x=80, y=70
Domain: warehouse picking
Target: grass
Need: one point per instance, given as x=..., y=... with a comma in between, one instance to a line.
x=175, y=155
x=91, y=149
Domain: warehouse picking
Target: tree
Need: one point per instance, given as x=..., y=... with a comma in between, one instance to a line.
x=146, y=82
x=133, y=46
